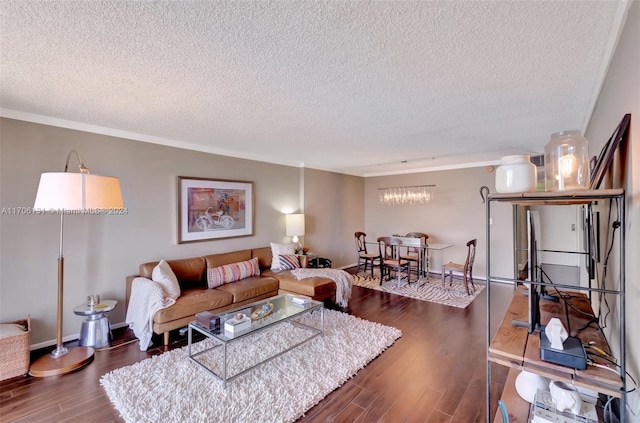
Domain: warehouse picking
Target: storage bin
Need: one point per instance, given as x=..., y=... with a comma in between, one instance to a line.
x=14, y=351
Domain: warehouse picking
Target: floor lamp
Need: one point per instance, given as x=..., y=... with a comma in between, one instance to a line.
x=71, y=193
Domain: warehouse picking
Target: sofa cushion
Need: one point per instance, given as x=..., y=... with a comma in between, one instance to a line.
x=228, y=273
x=250, y=287
x=289, y=261
x=193, y=301
x=191, y=272
x=317, y=287
x=280, y=249
x=164, y=276
x=264, y=256
x=220, y=259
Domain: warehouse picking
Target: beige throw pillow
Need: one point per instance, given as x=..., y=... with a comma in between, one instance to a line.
x=280, y=249
x=163, y=274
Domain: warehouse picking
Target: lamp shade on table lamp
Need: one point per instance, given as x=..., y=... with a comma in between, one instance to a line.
x=295, y=225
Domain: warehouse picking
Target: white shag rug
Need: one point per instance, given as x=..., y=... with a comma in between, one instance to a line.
x=171, y=388
x=431, y=290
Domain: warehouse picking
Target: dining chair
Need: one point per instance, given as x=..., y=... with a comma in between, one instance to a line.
x=363, y=255
x=389, y=249
x=417, y=254
x=466, y=269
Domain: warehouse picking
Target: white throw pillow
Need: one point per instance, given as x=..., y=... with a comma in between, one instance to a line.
x=280, y=249
x=163, y=274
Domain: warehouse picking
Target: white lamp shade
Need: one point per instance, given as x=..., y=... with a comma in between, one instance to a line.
x=295, y=224
x=78, y=191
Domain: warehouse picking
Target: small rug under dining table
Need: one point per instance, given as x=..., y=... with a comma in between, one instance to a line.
x=429, y=289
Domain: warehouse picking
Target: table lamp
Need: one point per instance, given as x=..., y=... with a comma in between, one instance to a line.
x=71, y=193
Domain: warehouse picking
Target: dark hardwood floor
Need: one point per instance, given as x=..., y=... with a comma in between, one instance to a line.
x=434, y=373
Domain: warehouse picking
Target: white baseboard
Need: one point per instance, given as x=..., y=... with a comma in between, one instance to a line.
x=68, y=338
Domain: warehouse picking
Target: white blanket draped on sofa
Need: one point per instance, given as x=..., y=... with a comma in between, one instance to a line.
x=343, y=281
x=147, y=297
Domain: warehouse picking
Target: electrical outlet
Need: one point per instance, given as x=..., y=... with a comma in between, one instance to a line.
x=633, y=406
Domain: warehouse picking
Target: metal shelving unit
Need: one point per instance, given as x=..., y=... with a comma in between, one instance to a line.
x=579, y=197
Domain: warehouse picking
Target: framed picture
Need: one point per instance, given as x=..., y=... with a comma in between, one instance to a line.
x=211, y=209
x=603, y=162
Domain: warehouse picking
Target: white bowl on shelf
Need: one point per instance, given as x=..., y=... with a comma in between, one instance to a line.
x=527, y=384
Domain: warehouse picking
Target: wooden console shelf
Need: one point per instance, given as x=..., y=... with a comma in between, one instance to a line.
x=514, y=347
x=558, y=198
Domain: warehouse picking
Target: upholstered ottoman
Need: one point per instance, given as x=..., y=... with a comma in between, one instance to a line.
x=318, y=288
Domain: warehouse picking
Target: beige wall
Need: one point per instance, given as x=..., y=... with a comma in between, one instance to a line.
x=620, y=95
x=455, y=215
x=334, y=210
x=101, y=250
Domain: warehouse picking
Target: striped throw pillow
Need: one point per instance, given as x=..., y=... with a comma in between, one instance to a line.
x=289, y=261
x=217, y=276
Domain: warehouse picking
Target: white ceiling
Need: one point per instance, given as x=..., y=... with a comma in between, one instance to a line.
x=351, y=86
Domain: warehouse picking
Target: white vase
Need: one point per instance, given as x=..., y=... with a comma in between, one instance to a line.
x=527, y=384
x=516, y=174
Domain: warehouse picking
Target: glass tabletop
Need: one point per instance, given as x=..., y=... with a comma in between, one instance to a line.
x=262, y=314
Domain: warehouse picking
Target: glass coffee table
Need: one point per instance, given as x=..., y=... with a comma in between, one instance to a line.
x=268, y=319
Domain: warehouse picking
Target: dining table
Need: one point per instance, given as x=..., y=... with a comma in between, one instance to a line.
x=426, y=259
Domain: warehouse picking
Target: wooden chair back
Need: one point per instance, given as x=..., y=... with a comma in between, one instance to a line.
x=471, y=256
x=361, y=244
x=388, y=247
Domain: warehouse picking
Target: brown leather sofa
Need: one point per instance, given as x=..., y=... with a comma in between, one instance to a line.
x=196, y=297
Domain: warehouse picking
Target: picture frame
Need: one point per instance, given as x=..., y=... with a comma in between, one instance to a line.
x=210, y=209
x=605, y=158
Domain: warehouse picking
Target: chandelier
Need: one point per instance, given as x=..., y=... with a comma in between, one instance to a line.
x=417, y=194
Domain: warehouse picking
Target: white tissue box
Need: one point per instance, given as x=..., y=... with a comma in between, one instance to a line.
x=234, y=325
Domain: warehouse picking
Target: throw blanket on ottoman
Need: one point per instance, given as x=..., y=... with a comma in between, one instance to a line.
x=342, y=279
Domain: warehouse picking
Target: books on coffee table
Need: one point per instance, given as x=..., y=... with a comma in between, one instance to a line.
x=301, y=301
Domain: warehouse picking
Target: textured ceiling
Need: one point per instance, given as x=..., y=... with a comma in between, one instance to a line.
x=351, y=86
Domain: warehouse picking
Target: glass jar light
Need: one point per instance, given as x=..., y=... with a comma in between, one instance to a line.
x=566, y=161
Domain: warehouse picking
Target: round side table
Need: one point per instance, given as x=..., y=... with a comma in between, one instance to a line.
x=96, y=329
